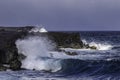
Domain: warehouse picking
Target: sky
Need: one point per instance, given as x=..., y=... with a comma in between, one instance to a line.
x=59, y=15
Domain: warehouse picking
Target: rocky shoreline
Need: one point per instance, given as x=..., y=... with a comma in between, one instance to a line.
x=9, y=57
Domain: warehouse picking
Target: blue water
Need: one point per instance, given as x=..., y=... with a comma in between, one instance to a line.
x=101, y=64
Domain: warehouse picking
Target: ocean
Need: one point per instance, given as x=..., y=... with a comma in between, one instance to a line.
x=100, y=64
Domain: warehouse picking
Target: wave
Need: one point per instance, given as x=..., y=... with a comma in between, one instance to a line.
x=40, y=29
x=34, y=48
x=91, y=67
x=43, y=64
x=40, y=55
x=98, y=45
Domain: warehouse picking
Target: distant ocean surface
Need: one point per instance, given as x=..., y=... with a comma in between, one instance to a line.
x=100, y=64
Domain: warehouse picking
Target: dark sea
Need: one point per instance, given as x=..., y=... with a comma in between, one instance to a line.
x=100, y=64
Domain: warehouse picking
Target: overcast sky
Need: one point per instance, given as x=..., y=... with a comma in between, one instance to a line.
x=62, y=14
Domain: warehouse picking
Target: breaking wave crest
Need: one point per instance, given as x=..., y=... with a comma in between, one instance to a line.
x=38, y=54
x=99, y=46
x=36, y=49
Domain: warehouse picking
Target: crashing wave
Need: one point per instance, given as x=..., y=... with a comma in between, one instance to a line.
x=99, y=46
x=36, y=49
x=38, y=29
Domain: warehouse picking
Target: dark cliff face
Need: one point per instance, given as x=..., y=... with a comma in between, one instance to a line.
x=8, y=50
x=66, y=40
x=63, y=39
x=8, y=36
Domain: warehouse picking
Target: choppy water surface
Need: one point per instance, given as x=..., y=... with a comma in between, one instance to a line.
x=100, y=64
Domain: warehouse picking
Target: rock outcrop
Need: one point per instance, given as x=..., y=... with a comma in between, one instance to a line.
x=9, y=53
x=66, y=39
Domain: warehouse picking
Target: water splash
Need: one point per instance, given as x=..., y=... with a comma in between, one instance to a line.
x=36, y=49
x=39, y=29
x=99, y=46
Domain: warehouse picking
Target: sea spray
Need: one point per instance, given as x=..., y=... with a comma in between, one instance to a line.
x=36, y=49
x=101, y=46
x=98, y=45
x=39, y=29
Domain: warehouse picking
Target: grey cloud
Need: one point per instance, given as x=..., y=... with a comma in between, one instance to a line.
x=62, y=14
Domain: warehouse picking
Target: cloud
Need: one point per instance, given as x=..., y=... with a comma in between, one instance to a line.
x=62, y=14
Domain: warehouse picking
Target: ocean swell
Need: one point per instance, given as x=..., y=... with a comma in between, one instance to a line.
x=91, y=67
x=39, y=56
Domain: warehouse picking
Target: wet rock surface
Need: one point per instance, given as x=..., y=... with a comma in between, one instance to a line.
x=9, y=53
x=8, y=50
x=66, y=40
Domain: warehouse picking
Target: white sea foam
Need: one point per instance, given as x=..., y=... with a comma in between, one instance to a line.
x=35, y=48
x=40, y=29
x=100, y=46
x=40, y=56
